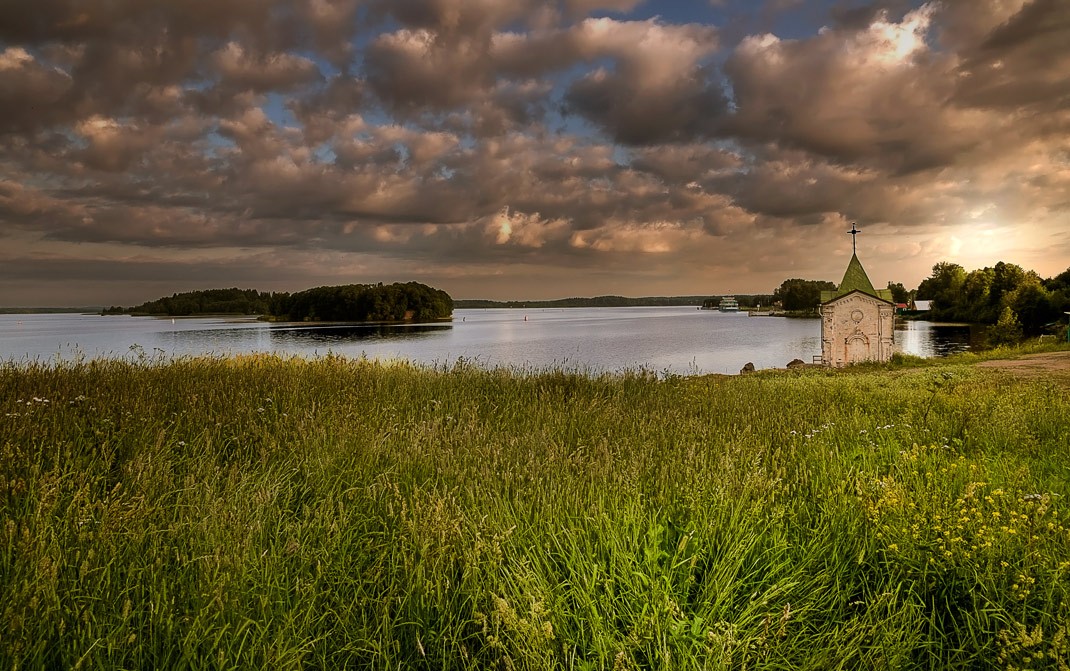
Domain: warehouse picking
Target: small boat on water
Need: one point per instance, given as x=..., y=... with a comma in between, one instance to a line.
x=728, y=304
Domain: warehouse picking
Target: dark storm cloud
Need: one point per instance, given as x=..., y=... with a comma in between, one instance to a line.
x=471, y=136
x=411, y=70
x=1024, y=61
x=686, y=109
x=656, y=87
x=1039, y=19
x=652, y=83
x=29, y=91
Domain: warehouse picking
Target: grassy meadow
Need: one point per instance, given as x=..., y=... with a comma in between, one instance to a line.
x=266, y=513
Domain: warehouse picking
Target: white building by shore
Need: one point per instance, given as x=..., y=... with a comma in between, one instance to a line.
x=857, y=321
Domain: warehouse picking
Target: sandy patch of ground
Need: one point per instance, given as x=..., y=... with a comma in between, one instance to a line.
x=1051, y=365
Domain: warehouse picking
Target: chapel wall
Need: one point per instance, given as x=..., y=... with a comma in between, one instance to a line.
x=856, y=328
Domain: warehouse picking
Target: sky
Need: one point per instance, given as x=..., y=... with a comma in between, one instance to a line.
x=516, y=149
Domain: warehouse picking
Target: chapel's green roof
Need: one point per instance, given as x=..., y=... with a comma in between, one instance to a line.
x=856, y=279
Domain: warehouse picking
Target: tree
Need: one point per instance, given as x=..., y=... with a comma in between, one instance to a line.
x=799, y=294
x=1006, y=277
x=1033, y=304
x=899, y=292
x=1060, y=282
x=944, y=286
x=976, y=288
x=1018, y=300
x=1008, y=329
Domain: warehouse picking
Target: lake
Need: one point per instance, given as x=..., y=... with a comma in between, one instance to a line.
x=680, y=340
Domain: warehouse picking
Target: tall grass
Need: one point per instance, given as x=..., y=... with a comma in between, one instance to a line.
x=267, y=513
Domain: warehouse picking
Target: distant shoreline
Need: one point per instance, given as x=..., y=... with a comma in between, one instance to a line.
x=589, y=302
x=51, y=311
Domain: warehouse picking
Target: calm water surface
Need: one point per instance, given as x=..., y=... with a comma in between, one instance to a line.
x=679, y=340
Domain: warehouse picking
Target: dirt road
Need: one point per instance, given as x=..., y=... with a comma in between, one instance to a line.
x=1051, y=365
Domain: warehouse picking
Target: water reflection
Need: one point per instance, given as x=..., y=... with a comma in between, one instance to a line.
x=297, y=335
x=930, y=339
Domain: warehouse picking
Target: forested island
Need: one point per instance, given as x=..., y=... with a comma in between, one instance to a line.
x=409, y=301
x=397, y=302
x=206, y=302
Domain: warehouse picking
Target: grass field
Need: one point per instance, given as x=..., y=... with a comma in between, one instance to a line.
x=265, y=513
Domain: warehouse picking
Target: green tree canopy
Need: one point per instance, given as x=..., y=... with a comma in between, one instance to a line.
x=944, y=285
x=1015, y=299
x=799, y=294
x=208, y=301
x=410, y=301
x=1060, y=282
x=899, y=292
x=1007, y=328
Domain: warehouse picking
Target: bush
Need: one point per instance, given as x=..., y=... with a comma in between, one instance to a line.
x=1007, y=330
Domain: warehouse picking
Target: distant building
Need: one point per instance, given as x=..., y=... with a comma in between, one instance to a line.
x=857, y=321
x=923, y=306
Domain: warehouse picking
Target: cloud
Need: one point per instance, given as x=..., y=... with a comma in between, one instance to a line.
x=877, y=96
x=525, y=141
x=524, y=230
x=411, y=69
x=30, y=92
x=280, y=72
x=1025, y=61
x=655, y=87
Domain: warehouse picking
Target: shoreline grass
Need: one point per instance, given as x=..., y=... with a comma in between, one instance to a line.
x=333, y=513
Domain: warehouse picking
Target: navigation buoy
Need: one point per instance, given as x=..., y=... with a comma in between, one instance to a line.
x=525, y=317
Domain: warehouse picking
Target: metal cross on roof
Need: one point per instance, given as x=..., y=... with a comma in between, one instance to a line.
x=854, y=236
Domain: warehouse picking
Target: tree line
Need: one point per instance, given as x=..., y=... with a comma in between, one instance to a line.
x=799, y=295
x=1004, y=294
x=409, y=301
x=209, y=301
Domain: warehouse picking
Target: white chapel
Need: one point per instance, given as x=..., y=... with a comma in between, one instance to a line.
x=857, y=321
